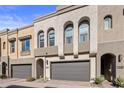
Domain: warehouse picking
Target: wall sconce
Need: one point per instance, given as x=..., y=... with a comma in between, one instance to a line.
x=120, y=58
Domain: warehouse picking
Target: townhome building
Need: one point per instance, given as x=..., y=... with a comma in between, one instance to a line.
x=17, y=52
x=76, y=42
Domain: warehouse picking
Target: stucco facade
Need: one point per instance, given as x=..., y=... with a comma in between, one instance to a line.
x=45, y=61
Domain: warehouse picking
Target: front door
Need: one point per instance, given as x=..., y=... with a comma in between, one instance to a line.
x=108, y=62
x=4, y=68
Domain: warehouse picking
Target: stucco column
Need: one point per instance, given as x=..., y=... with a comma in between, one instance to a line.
x=60, y=36
x=92, y=68
x=93, y=34
x=45, y=38
x=34, y=73
x=35, y=36
x=75, y=40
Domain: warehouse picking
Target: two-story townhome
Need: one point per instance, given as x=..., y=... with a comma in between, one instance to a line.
x=17, y=52
x=76, y=42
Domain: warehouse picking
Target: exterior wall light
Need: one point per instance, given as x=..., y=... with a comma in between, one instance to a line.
x=120, y=58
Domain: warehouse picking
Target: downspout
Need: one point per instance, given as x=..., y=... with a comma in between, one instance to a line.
x=8, y=52
x=17, y=44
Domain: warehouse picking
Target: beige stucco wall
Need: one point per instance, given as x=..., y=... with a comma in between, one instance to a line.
x=117, y=31
x=111, y=41
x=4, y=39
x=115, y=48
x=58, y=21
x=22, y=33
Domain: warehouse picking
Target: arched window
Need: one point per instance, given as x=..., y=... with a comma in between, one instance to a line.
x=107, y=22
x=51, y=37
x=69, y=34
x=41, y=39
x=84, y=31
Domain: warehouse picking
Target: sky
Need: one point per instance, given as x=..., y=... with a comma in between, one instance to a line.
x=15, y=16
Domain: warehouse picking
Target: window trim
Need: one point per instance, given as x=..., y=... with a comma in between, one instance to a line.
x=12, y=47
x=48, y=39
x=88, y=34
x=111, y=24
x=67, y=26
x=39, y=41
x=24, y=42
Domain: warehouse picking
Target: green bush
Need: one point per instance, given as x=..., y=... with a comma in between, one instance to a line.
x=99, y=79
x=119, y=82
x=3, y=76
x=44, y=79
x=30, y=79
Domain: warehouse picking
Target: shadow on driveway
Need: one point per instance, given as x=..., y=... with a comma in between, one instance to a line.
x=17, y=86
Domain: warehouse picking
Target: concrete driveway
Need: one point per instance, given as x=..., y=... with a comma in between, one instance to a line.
x=22, y=83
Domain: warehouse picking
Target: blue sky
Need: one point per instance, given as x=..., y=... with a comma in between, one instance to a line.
x=14, y=16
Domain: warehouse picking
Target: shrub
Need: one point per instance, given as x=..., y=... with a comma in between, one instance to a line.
x=30, y=79
x=119, y=82
x=3, y=76
x=99, y=79
x=44, y=79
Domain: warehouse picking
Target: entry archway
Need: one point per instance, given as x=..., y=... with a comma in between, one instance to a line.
x=108, y=66
x=4, y=68
x=40, y=68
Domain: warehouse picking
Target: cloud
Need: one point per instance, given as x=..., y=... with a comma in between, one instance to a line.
x=11, y=21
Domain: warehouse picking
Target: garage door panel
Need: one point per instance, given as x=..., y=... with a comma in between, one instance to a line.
x=21, y=71
x=77, y=71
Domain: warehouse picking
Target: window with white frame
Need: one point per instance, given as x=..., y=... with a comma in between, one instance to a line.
x=69, y=34
x=107, y=22
x=51, y=38
x=84, y=31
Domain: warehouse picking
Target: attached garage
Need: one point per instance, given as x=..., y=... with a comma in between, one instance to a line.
x=21, y=71
x=75, y=71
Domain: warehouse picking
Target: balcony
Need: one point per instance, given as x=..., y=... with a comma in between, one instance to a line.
x=68, y=49
x=84, y=47
x=46, y=51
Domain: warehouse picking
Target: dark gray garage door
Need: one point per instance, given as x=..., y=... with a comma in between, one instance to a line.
x=21, y=71
x=77, y=71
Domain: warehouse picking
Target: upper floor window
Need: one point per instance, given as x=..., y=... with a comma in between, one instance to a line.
x=4, y=45
x=69, y=34
x=107, y=22
x=41, y=39
x=84, y=31
x=26, y=45
x=12, y=47
x=51, y=38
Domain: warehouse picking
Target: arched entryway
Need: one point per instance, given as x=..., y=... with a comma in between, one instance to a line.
x=40, y=68
x=4, y=68
x=108, y=66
